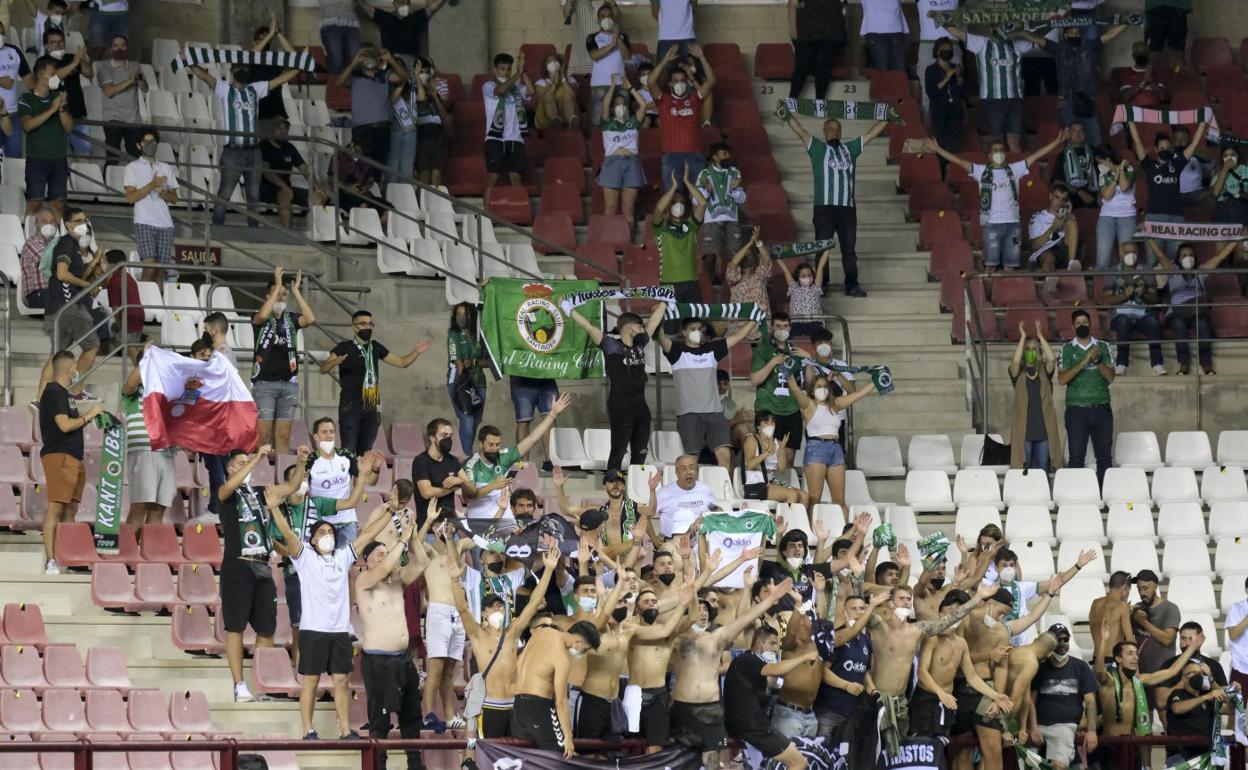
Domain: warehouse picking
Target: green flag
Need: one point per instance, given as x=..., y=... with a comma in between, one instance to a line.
x=527, y=334
x=108, y=488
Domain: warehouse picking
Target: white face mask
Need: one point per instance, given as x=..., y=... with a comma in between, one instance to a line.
x=998, y=158
x=552, y=67
x=806, y=280
x=325, y=543
x=845, y=572
x=1129, y=259
x=279, y=307
x=84, y=241
x=694, y=337
x=990, y=621
x=902, y=613
x=495, y=619
x=768, y=430
x=56, y=19
x=587, y=603
x=769, y=656
x=620, y=111
x=679, y=88
x=821, y=394
x=824, y=350
x=1188, y=263
x=849, y=622
x=47, y=231
x=1060, y=659
x=699, y=628
x=795, y=561
x=424, y=77
x=403, y=11
x=303, y=488
x=575, y=653
x=58, y=55
x=781, y=335
x=678, y=210
x=326, y=447
x=54, y=82
x=1007, y=574
x=80, y=229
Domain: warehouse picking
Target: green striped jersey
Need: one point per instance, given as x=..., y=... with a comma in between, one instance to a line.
x=833, y=169
x=240, y=110
x=136, y=429
x=1000, y=65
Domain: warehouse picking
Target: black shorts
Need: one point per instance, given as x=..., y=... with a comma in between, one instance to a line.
x=248, y=597
x=430, y=148
x=268, y=194
x=655, y=720
x=790, y=425
x=700, y=726
x=322, y=652
x=537, y=720
x=495, y=722
x=502, y=157
x=46, y=179
x=928, y=716
x=392, y=687
x=593, y=717
x=768, y=742
x=1165, y=27
x=968, y=716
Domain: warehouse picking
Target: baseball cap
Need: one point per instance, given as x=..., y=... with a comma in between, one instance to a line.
x=1004, y=597
x=1059, y=630
x=592, y=519
x=1146, y=576
x=612, y=475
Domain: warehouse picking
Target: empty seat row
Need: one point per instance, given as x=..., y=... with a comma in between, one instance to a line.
x=61, y=666
x=104, y=710
x=1084, y=521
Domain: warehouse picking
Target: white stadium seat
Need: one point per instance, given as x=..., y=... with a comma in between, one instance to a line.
x=831, y=515
x=1130, y=521
x=1080, y=520
x=1069, y=551
x=1192, y=593
x=1188, y=449
x=931, y=452
x=1175, y=485
x=1228, y=519
x=1027, y=522
x=1126, y=485
x=971, y=519
x=566, y=448
x=905, y=525
x=1231, y=556
x=426, y=259
x=720, y=482
x=666, y=446
x=1181, y=520
x=1076, y=485
x=1137, y=449
x=639, y=482
x=972, y=452
x=1027, y=486
x=598, y=447
x=1233, y=590
x=928, y=490
x=977, y=487
x=1185, y=556
x=872, y=511
x=856, y=492
x=1232, y=444
x=1133, y=556
x=1035, y=560
x=796, y=518
x=184, y=297
x=1223, y=483
x=1077, y=596
x=878, y=456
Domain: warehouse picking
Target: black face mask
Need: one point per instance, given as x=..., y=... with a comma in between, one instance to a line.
x=619, y=613
x=1077, y=42
x=711, y=613
x=649, y=616
x=496, y=567
x=1165, y=154
x=945, y=55
x=834, y=142
x=524, y=520
x=1083, y=331
x=444, y=445
x=937, y=583
x=491, y=457
x=1130, y=672
x=365, y=334
x=242, y=75
x=667, y=579
x=1196, y=682
x=1141, y=61
x=641, y=339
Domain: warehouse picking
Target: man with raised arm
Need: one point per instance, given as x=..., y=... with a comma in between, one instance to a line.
x=444, y=629
x=488, y=469
x=275, y=373
x=1026, y=591
x=540, y=713
x=745, y=692
x=834, y=164
x=495, y=643
x=622, y=513
x=1162, y=170
x=1111, y=613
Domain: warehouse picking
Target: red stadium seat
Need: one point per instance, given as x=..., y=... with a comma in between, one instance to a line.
x=610, y=229
x=738, y=113
x=562, y=199
x=465, y=175
x=149, y=712
x=1208, y=52
x=10, y=509
x=1230, y=321
x=193, y=630
x=1071, y=290
x=989, y=329
x=649, y=143
x=598, y=261
x=189, y=712
x=407, y=438
x=749, y=139
x=273, y=672
x=106, y=667
x=200, y=544
x=758, y=168
x=968, y=198
x=23, y=624
x=564, y=170
x=153, y=584
x=897, y=139
x=936, y=226
x=917, y=168
x=1188, y=100
x=1013, y=290
x=1033, y=193
x=474, y=91
x=107, y=760
x=950, y=257
x=467, y=141
x=535, y=58
x=641, y=265
x=147, y=760
x=55, y=760
x=15, y=427
x=337, y=98
x=159, y=543
x=928, y=196
x=1219, y=286
x=776, y=227
x=64, y=711
x=510, y=203
x=724, y=57
x=556, y=229
x=888, y=85
x=953, y=292
x=765, y=199
x=773, y=61
x=21, y=667
x=19, y=711
x=63, y=667
x=567, y=143
x=12, y=466
x=1037, y=110
x=75, y=545
x=454, y=86
x=106, y=712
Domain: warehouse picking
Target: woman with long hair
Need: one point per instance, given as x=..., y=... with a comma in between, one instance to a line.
x=465, y=361
x=825, y=457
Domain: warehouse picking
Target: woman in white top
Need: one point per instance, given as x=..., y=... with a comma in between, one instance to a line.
x=1116, y=225
x=825, y=458
x=762, y=458
x=621, y=175
x=556, y=96
x=887, y=34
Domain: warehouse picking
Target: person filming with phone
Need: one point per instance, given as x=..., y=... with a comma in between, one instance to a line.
x=1053, y=236
x=488, y=468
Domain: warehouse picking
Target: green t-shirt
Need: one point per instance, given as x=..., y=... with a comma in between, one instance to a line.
x=1235, y=186
x=300, y=516
x=482, y=472
x=773, y=395
x=678, y=246
x=833, y=169
x=1089, y=388
x=47, y=142
x=1182, y=5
x=136, y=428
x=460, y=347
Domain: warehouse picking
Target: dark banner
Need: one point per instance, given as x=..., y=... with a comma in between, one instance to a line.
x=492, y=755
x=523, y=543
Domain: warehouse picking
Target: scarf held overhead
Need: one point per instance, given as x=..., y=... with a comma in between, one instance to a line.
x=577, y=298
x=836, y=108
x=800, y=248
x=881, y=377
x=1124, y=114
x=744, y=311
x=199, y=55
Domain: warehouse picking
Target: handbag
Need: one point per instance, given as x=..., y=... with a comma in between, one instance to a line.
x=467, y=398
x=994, y=452
x=474, y=691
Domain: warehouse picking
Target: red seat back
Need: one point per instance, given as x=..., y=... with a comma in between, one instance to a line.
x=562, y=199
x=510, y=203
x=598, y=261
x=724, y=57
x=773, y=61
x=564, y=170
x=611, y=229
x=557, y=229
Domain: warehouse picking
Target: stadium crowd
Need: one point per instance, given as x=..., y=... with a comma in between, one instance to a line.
x=642, y=615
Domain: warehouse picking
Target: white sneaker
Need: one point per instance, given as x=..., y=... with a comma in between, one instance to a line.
x=1050, y=284
x=1074, y=266
x=456, y=723
x=1160, y=370
x=50, y=567
x=242, y=694
x=1120, y=370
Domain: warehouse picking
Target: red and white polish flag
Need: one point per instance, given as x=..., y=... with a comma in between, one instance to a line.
x=202, y=406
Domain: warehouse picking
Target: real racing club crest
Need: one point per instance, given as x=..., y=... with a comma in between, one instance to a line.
x=539, y=320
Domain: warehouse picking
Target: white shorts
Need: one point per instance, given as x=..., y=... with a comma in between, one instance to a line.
x=444, y=632
x=1059, y=742
x=153, y=476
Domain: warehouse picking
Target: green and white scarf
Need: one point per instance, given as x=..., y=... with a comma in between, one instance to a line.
x=274, y=331
x=985, y=189
x=498, y=121
x=628, y=520
x=881, y=377
x=199, y=55
x=253, y=523
x=1143, y=714
x=800, y=248
x=108, y=486
x=932, y=550
x=1016, y=603
x=1125, y=113
x=838, y=109
x=744, y=311
x=1078, y=167
x=577, y=298
x=371, y=393
x=716, y=184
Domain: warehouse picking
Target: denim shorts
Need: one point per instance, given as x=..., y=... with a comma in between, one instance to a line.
x=530, y=396
x=822, y=451
x=620, y=171
x=1001, y=244
x=275, y=400
x=46, y=179
x=1002, y=116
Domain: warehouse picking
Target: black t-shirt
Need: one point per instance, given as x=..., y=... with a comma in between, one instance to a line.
x=779, y=572
x=1059, y=691
x=275, y=359
x=626, y=373
x=1163, y=184
x=228, y=512
x=435, y=472
x=402, y=35
x=1198, y=722
x=745, y=694
x=272, y=105
x=56, y=400
x=282, y=158
x=948, y=102
x=59, y=294
x=351, y=371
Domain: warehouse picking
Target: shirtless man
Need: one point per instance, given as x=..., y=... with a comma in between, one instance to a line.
x=540, y=713
x=623, y=513
x=933, y=586
x=697, y=710
x=1022, y=664
x=648, y=660
x=603, y=666
x=794, y=715
x=444, y=631
x=894, y=643
x=1111, y=613
x=498, y=642
x=391, y=681
x=943, y=656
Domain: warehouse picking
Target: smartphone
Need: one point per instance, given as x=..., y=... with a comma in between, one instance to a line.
x=511, y=474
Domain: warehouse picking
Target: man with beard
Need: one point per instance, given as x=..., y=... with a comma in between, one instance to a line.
x=943, y=656
x=621, y=511
x=1063, y=696
x=1156, y=622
